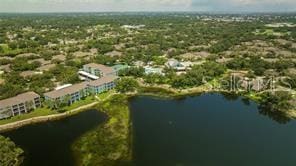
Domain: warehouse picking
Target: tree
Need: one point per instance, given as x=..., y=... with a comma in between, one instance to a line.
x=132, y=71
x=50, y=104
x=9, y=90
x=65, y=74
x=155, y=78
x=1, y=49
x=10, y=154
x=290, y=81
x=277, y=101
x=126, y=85
x=213, y=69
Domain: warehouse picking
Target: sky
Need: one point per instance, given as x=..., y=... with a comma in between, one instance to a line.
x=147, y=5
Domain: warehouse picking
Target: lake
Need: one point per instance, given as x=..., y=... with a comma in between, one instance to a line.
x=49, y=144
x=209, y=130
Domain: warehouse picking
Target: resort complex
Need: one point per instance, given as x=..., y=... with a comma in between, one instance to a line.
x=68, y=94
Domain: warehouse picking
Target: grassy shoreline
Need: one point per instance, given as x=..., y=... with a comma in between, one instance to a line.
x=108, y=144
x=111, y=142
x=155, y=91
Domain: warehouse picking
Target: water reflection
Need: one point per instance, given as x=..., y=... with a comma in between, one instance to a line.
x=210, y=129
x=49, y=144
x=277, y=116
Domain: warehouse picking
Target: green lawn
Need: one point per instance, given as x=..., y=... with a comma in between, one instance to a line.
x=35, y=113
x=46, y=111
x=104, y=95
x=80, y=103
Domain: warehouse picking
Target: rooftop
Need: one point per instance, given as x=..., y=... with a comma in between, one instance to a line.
x=102, y=68
x=21, y=98
x=88, y=75
x=46, y=67
x=102, y=80
x=66, y=91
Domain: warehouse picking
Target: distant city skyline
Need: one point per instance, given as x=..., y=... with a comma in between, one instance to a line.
x=147, y=5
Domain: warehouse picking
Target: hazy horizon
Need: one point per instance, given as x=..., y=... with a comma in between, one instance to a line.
x=211, y=6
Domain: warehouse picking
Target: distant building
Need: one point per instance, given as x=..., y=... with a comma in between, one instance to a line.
x=258, y=84
x=151, y=70
x=175, y=64
x=139, y=63
x=133, y=26
x=19, y=104
x=46, y=67
x=26, y=74
x=98, y=70
x=254, y=85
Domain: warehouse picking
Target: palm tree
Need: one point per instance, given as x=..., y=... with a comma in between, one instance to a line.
x=66, y=100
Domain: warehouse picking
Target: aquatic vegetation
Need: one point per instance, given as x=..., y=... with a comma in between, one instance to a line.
x=108, y=144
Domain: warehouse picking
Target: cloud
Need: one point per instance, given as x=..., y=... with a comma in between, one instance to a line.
x=145, y=5
x=93, y=5
x=246, y=5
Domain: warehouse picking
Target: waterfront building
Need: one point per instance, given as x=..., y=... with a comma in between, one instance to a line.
x=20, y=104
x=71, y=93
x=76, y=92
x=102, y=85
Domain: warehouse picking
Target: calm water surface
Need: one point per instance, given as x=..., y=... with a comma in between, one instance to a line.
x=209, y=130
x=49, y=144
x=206, y=130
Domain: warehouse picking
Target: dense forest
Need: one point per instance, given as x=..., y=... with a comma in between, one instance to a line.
x=41, y=51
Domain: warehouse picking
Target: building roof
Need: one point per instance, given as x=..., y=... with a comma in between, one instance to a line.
x=103, y=80
x=151, y=70
x=46, y=67
x=104, y=69
x=66, y=91
x=173, y=63
x=28, y=73
x=88, y=75
x=114, y=53
x=5, y=68
x=258, y=84
x=27, y=55
x=41, y=60
x=21, y=98
x=60, y=57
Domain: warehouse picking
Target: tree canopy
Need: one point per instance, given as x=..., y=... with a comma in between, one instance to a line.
x=10, y=154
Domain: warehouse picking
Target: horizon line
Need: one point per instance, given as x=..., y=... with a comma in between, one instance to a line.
x=176, y=11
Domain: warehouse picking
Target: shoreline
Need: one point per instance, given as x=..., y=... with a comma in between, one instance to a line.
x=106, y=132
x=41, y=119
x=175, y=94
x=114, y=135
x=144, y=90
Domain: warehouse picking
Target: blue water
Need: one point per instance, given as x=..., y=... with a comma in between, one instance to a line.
x=210, y=130
x=49, y=144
